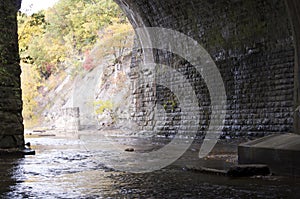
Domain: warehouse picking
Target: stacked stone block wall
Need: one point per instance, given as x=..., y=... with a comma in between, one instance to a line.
x=252, y=44
x=11, y=122
x=69, y=120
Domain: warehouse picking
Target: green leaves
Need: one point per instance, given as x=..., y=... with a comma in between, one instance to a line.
x=64, y=32
x=102, y=105
x=79, y=21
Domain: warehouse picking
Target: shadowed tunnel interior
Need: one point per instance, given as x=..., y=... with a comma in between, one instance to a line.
x=254, y=43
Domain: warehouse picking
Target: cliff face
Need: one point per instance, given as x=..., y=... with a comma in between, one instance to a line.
x=101, y=94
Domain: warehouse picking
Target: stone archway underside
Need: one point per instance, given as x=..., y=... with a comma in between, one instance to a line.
x=252, y=43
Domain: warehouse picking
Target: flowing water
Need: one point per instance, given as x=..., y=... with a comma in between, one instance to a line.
x=65, y=168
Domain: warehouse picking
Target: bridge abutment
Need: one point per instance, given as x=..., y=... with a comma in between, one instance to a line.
x=294, y=10
x=253, y=46
x=11, y=122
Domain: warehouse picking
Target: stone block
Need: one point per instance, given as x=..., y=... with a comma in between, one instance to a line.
x=280, y=152
x=11, y=141
x=248, y=170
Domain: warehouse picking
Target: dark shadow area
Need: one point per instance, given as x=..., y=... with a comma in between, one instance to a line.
x=10, y=170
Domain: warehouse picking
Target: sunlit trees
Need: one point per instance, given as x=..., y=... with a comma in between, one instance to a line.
x=115, y=40
x=52, y=40
x=77, y=23
x=30, y=85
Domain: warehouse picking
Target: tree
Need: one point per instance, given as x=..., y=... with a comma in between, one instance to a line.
x=115, y=40
x=30, y=85
x=77, y=22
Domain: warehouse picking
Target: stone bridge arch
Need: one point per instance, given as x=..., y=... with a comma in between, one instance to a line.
x=254, y=43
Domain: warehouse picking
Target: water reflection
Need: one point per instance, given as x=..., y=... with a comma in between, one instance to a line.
x=8, y=168
x=63, y=168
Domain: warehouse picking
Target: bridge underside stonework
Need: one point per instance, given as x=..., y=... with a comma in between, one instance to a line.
x=254, y=44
